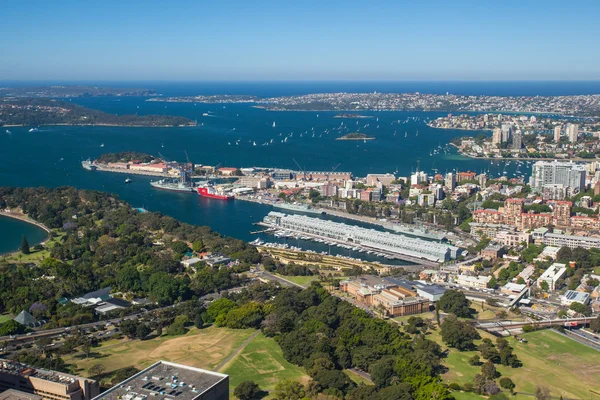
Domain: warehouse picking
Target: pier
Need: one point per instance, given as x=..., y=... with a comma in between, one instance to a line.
x=422, y=262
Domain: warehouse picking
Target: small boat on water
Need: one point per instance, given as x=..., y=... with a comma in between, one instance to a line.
x=128, y=180
x=33, y=130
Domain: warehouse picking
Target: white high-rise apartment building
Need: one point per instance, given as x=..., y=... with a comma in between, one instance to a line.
x=564, y=173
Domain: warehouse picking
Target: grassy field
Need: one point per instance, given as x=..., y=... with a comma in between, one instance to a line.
x=262, y=362
x=357, y=378
x=34, y=256
x=4, y=318
x=203, y=348
x=300, y=280
x=549, y=359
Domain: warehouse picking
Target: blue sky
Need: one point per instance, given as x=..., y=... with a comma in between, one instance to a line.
x=299, y=40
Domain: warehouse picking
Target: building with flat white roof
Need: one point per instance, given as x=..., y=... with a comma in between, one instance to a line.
x=170, y=381
x=573, y=296
x=555, y=272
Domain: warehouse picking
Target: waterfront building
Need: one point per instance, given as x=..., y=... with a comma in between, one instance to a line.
x=385, y=179
x=555, y=272
x=283, y=175
x=257, y=182
x=466, y=176
x=557, y=132
x=450, y=181
x=48, y=385
x=418, y=178
x=359, y=236
x=167, y=380
x=569, y=174
x=572, y=132
x=497, y=136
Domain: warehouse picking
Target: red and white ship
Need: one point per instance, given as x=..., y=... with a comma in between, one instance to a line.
x=213, y=193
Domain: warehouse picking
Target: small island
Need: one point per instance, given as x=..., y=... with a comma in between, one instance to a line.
x=356, y=136
x=36, y=112
x=353, y=116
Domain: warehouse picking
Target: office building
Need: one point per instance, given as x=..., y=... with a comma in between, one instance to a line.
x=568, y=174
x=555, y=272
x=169, y=381
x=48, y=385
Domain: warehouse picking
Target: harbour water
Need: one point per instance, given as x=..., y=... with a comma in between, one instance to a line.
x=12, y=230
x=51, y=157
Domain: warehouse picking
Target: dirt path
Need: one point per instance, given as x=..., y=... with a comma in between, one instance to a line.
x=236, y=352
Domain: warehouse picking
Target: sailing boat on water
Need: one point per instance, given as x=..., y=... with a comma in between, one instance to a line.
x=273, y=124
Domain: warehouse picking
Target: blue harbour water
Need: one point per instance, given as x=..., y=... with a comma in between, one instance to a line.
x=12, y=230
x=51, y=157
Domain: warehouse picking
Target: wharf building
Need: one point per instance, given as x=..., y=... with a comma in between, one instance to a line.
x=568, y=174
x=358, y=236
x=25, y=381
x=170, y=381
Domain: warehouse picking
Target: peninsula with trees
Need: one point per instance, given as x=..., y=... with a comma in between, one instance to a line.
x=38, y=111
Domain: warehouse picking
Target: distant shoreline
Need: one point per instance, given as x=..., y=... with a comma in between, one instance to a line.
x=106, y=125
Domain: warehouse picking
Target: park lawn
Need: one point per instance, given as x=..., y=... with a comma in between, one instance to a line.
x=426, y=316
x=563, y=365
x=202, y=348
x=4, y=318
x=300, y=280
x=262, y=361
x=466, y=396
x=597, y=270
x=35, y=256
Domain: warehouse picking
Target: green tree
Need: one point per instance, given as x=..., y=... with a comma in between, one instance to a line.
x=458, y=334
x=142, y=331
x=247, y=390
x=289, y=390
x=455, y=302
x=475, y=360
x=96, y=369
x=24, y=245
x=506, y=383
x=488, y=370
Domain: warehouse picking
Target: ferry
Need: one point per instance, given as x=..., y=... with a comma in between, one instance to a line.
x=211, y=192
x=33, y=130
